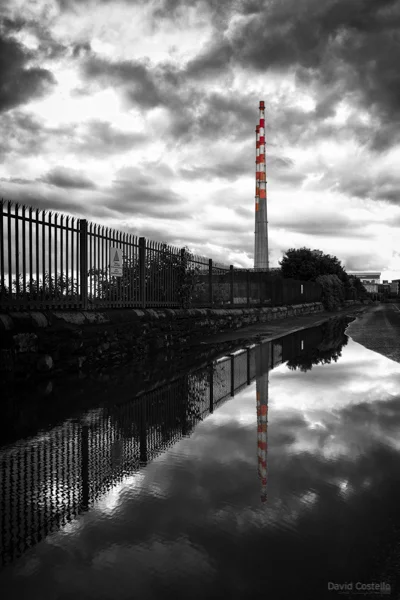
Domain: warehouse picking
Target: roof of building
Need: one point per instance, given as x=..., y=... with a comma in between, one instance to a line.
x=366, y=274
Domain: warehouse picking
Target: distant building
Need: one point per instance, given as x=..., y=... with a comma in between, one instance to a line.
x=384, y=289
x=395, y=287
x=366, y=276
x=372, y=288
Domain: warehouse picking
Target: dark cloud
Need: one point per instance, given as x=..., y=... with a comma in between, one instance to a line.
x=48, y=47
x=383, y=415
x=195, y=114
x=100, y=138
x=19, y=180
x=229, y=170
x=343, y=49
x=24, y=135
x=205, y=65
x=81, y=49
x=76, y=5
x=242, y=211
x=134, y=192
x=366, y=262
x=20, y=83
x=159, y=233
x=68, y=178
x=280, y=162
x=37, y=196
x=241, y=162
x=325, y=224
x=382, y=186
x=13, y=24
x=138, y=83
x=229, y=227
x=226, y=115
x=217, y=12
x=147, y=87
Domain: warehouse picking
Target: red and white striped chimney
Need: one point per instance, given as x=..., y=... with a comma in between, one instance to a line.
x=261, y=224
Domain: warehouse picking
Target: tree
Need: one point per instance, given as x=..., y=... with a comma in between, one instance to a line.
x=333, y=294
x=306, y=264
x=356, y=283
x=310, y=265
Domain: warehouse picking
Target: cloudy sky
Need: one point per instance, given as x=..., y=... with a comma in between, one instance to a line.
x=141, y=115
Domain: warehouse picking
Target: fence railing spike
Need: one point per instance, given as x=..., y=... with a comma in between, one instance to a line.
x=153, y=264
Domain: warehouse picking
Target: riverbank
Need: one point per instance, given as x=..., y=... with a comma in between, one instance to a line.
x=379, y=330
x=37, y=345
x=271, y=330
x=29, y=405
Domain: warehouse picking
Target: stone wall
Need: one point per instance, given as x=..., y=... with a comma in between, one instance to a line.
x=34, y=343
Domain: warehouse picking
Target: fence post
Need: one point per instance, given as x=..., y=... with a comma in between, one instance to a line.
x=182, y=302
x=211, y=386
x=232, y=357
x=142, y=271
x=85, y=466
x=248, y=286
x=83, y=261
x=210, y=281
x=231, y=283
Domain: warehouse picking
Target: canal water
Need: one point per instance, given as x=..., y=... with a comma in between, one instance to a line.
x=274, y=470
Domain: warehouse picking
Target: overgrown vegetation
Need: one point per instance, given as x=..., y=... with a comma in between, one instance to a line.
x=51, y=288
x=313, y=265
x=168, y=276
x=333, y=294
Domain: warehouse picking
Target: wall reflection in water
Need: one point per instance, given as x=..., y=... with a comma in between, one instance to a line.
x=48, y=480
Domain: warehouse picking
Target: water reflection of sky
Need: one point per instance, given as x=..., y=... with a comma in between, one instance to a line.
x=191, y=524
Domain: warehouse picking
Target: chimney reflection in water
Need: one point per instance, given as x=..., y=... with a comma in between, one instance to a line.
x=262, y=353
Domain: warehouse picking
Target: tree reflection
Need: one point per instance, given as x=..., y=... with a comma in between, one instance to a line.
x=327, y=350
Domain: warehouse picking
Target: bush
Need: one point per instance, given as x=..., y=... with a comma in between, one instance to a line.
x=332, y=291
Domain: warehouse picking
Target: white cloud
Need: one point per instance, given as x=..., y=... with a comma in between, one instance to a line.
x=316, y=167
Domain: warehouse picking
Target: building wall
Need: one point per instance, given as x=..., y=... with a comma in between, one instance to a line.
x=372, y=288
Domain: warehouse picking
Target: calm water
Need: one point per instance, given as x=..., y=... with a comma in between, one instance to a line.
x=286, y=487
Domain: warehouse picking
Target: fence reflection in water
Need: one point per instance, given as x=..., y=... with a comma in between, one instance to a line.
x=48, y=480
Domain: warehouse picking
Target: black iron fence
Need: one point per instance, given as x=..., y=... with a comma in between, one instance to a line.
x=49, y=260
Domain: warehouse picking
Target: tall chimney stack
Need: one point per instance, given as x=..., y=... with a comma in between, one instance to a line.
x=261, y=223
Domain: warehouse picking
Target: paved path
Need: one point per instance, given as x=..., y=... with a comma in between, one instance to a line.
x=274, y=329
x=378, y=329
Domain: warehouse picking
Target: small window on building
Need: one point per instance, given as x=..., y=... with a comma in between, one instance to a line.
x=301, y=288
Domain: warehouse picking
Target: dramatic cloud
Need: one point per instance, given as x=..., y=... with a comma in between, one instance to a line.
x=134, y=76
x=68, y=178
x=20, y=82
x=146, y=111
x=101, y=139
